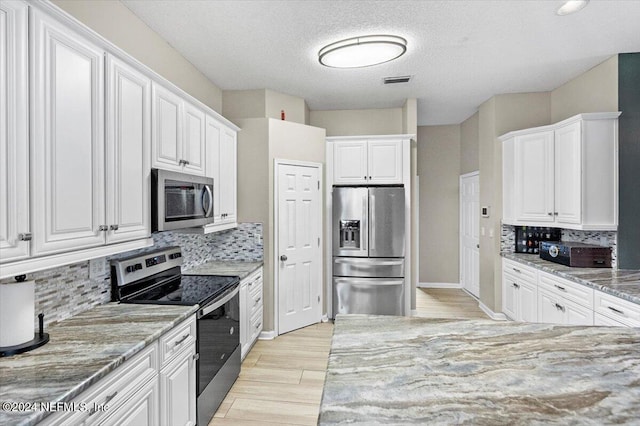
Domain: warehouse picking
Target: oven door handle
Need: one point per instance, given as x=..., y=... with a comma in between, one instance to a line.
x=210, y=308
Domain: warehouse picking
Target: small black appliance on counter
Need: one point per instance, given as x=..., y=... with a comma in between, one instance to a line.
x=529, y=237
x=576, y=254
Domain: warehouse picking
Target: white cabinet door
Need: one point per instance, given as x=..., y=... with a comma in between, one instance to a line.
x=527, y=302
x=575, y=314
x=178, y=390
x=228, y=176
x=384, y=161
x=166, y=135
x=67, y=139
x=128, y=141
x=140, y=410
x=534, y=177
x=193, y=150
x=549, y=310
x=599, y=319
x=568, y=172
x=213, y=135
x=509, y=295
x=350, y=162
x=14, y=131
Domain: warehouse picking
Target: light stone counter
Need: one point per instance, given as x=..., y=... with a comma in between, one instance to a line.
x=81, y=350
x=225, y=267
x=400, y=370
x=622, y=283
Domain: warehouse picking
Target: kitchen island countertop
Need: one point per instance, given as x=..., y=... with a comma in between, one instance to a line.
x=234, y=268
x=400, y=370
x=81, y=350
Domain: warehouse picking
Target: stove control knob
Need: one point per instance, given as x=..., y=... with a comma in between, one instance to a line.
x=130, y=268
x=138, y=266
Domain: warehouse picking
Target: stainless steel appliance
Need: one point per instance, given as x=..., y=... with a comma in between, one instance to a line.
x=576, y=254
x=368, y=250
x=180, y=200
x=156, y=278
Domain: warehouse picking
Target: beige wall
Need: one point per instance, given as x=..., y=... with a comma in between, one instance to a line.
x=119, y=25
x=410, y=117
x=260, y=141
x=499, y=115
x=263, y=103
x=594, y=91
x=469, y=139
x=439, y=171
x=359, y=122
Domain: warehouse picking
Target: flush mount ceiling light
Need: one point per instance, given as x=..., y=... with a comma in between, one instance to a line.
x=362, y=51
x=571, y=6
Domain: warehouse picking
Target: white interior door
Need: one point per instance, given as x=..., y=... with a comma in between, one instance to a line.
x=469, y=237
x=299, y=258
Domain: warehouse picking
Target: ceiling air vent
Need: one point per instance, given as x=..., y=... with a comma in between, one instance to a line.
x=394, y=80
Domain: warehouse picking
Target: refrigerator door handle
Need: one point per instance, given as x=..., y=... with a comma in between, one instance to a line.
x=364, y=231
x=372, y=242
x=352, y=261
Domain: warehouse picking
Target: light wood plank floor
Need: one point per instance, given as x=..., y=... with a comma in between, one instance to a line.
x=282, y=379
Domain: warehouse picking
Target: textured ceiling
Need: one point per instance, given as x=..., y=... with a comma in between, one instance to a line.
x=460, y=53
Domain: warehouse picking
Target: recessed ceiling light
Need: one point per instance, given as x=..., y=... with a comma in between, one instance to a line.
x=363, y=51
x=571, y=6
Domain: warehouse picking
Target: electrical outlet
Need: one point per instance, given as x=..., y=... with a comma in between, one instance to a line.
x=97, y=268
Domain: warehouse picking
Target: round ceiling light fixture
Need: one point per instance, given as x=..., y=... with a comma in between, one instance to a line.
x=365, y=51
x=571, y=6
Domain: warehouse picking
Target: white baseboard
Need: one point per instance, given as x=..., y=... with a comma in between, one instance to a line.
x=493, y=315
x=439, y=285
x=267, y=335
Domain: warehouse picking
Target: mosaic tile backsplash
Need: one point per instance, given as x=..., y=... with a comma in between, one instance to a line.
x=66, y=291
x=604, y=238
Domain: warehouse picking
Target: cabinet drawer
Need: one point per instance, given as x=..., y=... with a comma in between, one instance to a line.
x=256, y=323
x=574, y=292
x=111, y=391
x=617, y=309
x=603, y=320
x=520, y=270
x=180, y=337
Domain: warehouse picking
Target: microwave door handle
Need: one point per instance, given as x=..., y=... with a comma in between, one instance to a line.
x=207, y=211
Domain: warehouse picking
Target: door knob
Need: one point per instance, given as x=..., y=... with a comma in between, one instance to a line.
x=283, y=258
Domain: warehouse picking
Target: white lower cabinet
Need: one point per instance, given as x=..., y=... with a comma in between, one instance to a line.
x=554, y=309
x=519, y=294
x=177, y=390
x=155, y=387
x=613, y=310
x=250, y=311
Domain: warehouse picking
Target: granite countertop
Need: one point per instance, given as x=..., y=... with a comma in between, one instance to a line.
x=623, y=283
x=232, y=268
x=402, y=370
x=81, y=350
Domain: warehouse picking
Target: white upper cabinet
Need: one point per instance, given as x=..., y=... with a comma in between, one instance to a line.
x=67, y=139
x=14, y=132
x=178, y=133
x=364, y=162
x=564, y=175
x=221, y=148
x=128, y=144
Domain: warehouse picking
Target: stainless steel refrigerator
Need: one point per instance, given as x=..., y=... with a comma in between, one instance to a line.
x=368, y=250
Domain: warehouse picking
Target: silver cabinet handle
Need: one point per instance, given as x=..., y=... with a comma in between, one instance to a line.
x=181, y=162
x=515, y=285
x=560, y=307
x=103, y=228
x=550, y=214
x=555, y=213
x=185, y=337
x=24, y=236
x=284, y=257
x=517, y=270
x=559, y=287
x=114, y=227
x=110, y=397
x=617, y=311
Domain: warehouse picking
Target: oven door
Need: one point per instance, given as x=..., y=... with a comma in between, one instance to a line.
x=218, y=365
x=180, y=200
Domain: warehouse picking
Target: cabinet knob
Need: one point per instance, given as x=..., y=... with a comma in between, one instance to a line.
x=550, y=214
x=284, y=257
x=24, y=236
x=114, y=227
x=103, y=228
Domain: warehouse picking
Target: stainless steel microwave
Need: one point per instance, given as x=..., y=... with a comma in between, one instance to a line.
x=180, y=200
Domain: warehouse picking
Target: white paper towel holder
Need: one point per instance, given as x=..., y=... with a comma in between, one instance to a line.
x=39, y=338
